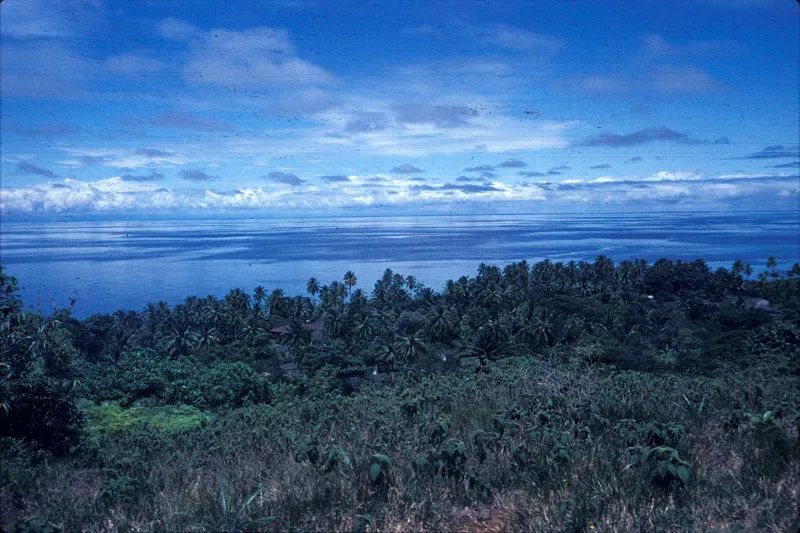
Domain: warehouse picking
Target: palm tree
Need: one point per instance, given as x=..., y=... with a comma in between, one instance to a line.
x=388, y=353
x=493, y=300
x=258, y=297
x=337, y=292
x=312, y=287
x=738, y=268
x=462, y=289
x=181, y=342
x=239, y=301
x=324, y=296
x=364, y=330
x=299, y=307
x=275, y=302
x=231, y=321
x=398, y=281
x=412, y=347
x=118, y=341
x=543, y=329
x=517, y=273
x=335, y=323
x=427, y=296
x=772, y=265
x=248, y=331
x=440, y=324
x=350, y=281
x=491, y=275
x=153, y=322
x=207, y=338
x=358, y=298
x=191, y=309
x=380, y=291
x=296, y=334
x=487, y=346
x=603, y=269
x=411, y=283
x=211, y=312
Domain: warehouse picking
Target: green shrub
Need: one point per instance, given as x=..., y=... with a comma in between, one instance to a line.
x=224, y=384
x=664, y=464
x=43, y=411
x=379, y=468
x=145, y=374
x=109, y=418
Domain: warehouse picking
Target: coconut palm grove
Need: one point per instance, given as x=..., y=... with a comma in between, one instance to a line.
x=546, y=397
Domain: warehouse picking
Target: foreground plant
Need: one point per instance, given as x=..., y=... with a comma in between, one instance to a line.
x=664, y=465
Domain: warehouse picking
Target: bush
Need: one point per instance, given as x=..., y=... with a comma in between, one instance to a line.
x=42, y=411
x=37, y=384
x=144, y=374
x=224, y=384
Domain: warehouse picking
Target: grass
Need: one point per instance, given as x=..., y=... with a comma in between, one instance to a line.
x=109, y=418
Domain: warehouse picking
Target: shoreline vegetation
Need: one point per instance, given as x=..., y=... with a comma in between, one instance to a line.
x=587, y=396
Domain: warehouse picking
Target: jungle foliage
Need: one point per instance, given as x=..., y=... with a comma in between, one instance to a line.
x=565, y=397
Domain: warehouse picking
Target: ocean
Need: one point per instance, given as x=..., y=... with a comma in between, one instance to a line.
x=112, y=265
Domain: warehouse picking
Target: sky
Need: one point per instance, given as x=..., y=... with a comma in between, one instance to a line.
x=207, y=108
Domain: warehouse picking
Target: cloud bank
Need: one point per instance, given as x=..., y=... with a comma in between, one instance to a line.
x=139, y=195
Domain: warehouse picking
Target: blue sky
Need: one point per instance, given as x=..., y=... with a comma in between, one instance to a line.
x=314, y=107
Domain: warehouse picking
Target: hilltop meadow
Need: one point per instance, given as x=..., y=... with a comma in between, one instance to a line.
x=588, y=396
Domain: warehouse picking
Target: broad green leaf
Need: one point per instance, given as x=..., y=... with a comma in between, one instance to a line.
x=382, y=458
x=374, y=472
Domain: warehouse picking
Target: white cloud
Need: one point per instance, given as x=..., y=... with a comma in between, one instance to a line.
x=118, y=185
x=657, y=45
x=491, y=132
x=133, y=65
x=74, y=195
x=117, y=194
x=305, y=101
x=679, y=80
x=36, y=19
x=665, y=175
x=665, y=80
x=517, y=39
x=251, y=59
x=741, y=176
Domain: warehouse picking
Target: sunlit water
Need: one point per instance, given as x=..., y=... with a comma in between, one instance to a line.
x=107, y=266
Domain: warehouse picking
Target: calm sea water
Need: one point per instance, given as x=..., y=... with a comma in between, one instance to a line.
x=107, y=266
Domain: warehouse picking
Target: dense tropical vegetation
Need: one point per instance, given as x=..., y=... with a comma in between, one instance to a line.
x=564, y=397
